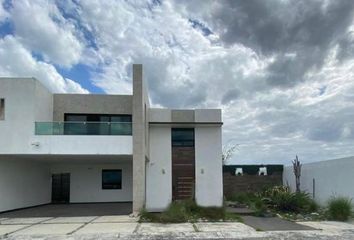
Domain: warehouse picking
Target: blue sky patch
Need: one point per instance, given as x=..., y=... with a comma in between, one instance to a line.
x=80, y=73
x=200, y=26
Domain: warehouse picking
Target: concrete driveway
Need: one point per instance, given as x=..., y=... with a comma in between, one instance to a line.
x=108, y=221
x=71, y=210
x=125, y=227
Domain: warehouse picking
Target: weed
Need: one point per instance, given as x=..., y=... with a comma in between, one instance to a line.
x=187, y=211
x=339, y=208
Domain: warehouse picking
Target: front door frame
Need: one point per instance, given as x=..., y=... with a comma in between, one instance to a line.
x=61, y=188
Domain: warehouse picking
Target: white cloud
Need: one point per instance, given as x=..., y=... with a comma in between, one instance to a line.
x=17, y=61
x=311, y=117
x=40, y=26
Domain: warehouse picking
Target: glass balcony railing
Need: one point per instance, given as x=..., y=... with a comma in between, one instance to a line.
x=83, y=128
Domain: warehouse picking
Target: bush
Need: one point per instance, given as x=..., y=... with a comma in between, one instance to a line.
x=259, y=207
x=280, y=198
x=339, y=208
x=243, y=198
x=187, y=211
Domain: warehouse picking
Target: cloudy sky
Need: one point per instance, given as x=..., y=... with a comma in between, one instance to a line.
x=281, y=70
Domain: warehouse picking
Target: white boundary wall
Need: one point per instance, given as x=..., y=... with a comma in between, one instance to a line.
x=332, y=178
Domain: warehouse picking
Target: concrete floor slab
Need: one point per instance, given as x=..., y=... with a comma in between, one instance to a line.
x=71, y=210
x=70, y=220
x=6, y=229
x=18, y=221
x=273, y=224
x=100, y=228
x=112, y=219
x=156, y=228
x=48, y=229
x=224, y=227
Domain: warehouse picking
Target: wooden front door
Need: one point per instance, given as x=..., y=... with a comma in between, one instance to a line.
x=61, y=188
x=183, y=164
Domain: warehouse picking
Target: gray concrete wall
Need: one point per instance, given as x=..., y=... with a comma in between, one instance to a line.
x=332, y=178
x=91, y=103
x=140, y=137
x=161, y=115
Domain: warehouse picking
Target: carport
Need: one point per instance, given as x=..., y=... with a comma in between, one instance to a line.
x=96, y=185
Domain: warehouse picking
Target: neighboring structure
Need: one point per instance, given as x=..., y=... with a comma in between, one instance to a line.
x=250, y=178
x=324, y=179
x=104, y=148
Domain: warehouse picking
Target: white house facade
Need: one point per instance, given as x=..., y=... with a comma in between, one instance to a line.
x=90, y=148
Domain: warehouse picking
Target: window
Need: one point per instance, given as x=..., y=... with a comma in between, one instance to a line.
x=2, y=109
x=72, y=117
x=112, y=179
x=98, y=124
x=183, y=137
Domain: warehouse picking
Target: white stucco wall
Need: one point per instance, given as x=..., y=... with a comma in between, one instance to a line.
x=332, y=178
x=86, y=182
x=209, y=186
x=159, y=170
x=23, y=184
x=20, y=114
x=79, y=144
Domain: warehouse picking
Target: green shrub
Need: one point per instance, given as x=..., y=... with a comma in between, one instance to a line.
x=187, y=211
x=259, y=207
x=175, y=213
x=273, y=191
x=243, y=197
x=339, y=208
x=280, y=198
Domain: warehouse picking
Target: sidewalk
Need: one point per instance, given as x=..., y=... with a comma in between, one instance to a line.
x=125, y=227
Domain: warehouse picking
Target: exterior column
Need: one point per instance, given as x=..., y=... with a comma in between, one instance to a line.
x=139, y=131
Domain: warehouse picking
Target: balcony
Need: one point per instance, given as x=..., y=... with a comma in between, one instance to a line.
x=83, y=128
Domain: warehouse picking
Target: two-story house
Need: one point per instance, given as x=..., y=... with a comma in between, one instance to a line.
x=93, y=148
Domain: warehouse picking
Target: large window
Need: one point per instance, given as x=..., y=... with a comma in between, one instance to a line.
x=183, y=137
x=2, y=109
x=112, y=179
x=73, y=117
x=97, y=124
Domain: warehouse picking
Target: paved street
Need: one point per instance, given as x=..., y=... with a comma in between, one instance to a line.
x=125, y=227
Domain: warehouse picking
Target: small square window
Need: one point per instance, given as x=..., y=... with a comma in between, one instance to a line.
x=112, y=179
x=2, y=109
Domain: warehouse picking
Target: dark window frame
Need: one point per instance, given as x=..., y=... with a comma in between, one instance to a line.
x=71, y=127
x=183, y=142
x=2, y=109
x=112, y=186
x=94, y=115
